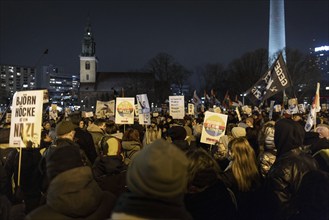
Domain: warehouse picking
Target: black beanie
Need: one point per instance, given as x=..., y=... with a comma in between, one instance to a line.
x=62, y=159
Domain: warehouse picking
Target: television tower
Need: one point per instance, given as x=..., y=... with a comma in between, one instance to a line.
x=277, y=32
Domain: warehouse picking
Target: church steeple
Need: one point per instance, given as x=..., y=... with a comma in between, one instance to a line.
x=88, y=43
x=88, y=60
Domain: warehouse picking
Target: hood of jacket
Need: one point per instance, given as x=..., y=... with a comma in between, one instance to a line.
x=288, y=135
x=131, y=145
x=108, y=165
x=94, y=129
x=74, y=193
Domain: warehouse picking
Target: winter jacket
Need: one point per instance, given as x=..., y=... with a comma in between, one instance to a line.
x=130, y=148
x=211, y=203
x=97, y=133
x=86, y=143
x=287, y=171
x=133, y=206
x=74, y=194
x=110, y=174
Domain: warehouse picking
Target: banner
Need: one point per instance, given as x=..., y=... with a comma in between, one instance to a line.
x=176, y=107
x=26, y=119
x=124, y=111
x=105, y=109
x=143, y=104
x=214, y=126
x=273, y=81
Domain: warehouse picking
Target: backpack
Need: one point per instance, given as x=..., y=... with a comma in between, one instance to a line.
x=103, y=146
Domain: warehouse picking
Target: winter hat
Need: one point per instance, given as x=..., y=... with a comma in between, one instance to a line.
x=64, y=127
x=159, y=170
x=238, y=132
x=177, y=133
x=61, y=159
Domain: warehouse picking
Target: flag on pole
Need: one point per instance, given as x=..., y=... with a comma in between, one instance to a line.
x=273, y=81
x=311, y=119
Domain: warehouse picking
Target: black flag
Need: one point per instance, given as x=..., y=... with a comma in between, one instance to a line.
x=273, y=81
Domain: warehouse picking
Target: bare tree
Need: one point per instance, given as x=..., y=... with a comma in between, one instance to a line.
x=303, y=72
x=247, y=70
x=214, y=76
x=167, y=72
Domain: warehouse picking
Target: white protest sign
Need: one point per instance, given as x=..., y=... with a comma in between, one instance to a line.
x=214, y=126
x=26, y=119
x=124, y=111
x=176, y=107
x=144, y=119
x=143, y=104
x=104, y=109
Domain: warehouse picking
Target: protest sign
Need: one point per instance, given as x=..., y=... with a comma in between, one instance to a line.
x=104, y=109
x=124, y=111
x=214, y=126
x=176, y=107
x=144, y=119
x=26, y=119
x=143, y=104
x=190, y=109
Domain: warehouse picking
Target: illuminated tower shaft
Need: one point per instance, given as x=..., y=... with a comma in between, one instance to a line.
x=277, y=32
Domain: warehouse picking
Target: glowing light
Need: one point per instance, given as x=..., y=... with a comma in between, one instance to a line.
x=322, y=48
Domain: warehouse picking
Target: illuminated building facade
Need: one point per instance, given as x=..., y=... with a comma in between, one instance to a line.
x=15, y=78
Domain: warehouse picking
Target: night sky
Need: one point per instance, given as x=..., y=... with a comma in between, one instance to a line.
x=129, y=33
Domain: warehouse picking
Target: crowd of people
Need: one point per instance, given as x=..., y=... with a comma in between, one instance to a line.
x=89, y=168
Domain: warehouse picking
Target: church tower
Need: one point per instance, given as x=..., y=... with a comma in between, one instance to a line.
x=277, y=32
x=88, y=61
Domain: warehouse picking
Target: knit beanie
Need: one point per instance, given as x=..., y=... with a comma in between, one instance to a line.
x=159, y=170
x=177, y=133
x=238, y=132
x=64, y=127
x=61, y=159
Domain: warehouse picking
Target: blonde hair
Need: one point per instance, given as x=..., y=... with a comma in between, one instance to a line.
x=244, y=164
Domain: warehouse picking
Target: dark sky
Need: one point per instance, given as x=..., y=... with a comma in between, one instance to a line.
x=129, y=33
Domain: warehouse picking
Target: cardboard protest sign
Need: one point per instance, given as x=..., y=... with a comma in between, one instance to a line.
x=124, y=111
x=26, y=119
x=176, y=107
x=214, y=126
x=104, y=109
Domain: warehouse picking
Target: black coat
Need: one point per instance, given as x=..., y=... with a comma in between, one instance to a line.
x=213, y=203
x=283, y=180
x=286, y=173
x=85, y=141
x=110, y=174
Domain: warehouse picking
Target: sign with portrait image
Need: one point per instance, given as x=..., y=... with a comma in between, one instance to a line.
x=26, y=119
